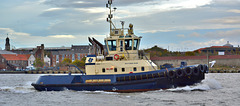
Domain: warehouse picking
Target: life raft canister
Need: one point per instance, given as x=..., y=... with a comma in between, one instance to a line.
x=188, y=71
x=116, y=56
x=179, y=72
x=196, y=71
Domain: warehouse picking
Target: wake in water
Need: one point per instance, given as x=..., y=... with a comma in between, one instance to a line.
x=26, y=88
x=206, y=84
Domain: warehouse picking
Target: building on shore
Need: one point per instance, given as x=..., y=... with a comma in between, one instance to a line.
x=3, y=63
x=220, y=50
x=77, y=52
x=15, y=61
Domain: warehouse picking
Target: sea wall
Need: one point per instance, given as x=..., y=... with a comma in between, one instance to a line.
x=228, y=60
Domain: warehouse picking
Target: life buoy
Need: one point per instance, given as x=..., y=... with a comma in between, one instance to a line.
x=195, y=71
x=171, y=74
x=179, y=72
x=201, y=68
x=116, y=56
x=188, y=71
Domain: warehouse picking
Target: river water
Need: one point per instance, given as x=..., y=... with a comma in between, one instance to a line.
x=218, y=89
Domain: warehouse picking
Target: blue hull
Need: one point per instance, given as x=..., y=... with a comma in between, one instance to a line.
x=154, y=80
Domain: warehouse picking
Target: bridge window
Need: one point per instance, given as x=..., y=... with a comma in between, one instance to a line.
x=135, y=44
x=121, y=45
x=128, y=44
x=112, y=45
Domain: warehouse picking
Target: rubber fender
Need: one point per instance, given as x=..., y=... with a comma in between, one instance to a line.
x=171, y=74
x=206, y=69
x=179, y=73
x=188, y=71
x=201, y=68
x=196, y=71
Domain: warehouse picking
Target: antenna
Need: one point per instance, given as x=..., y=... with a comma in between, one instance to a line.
x=122, y=22
x=110, y=16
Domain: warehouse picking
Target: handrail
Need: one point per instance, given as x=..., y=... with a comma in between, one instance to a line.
x=148, y=60
x=77, y=68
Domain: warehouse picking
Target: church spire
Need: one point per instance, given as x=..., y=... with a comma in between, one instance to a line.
x=7, y=45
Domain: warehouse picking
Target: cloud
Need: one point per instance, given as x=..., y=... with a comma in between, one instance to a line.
x=194, y=44
x=9, y=31
x=54, y=9
x=92, y=3
x=154, y=31
x=195, y=34
x=181, y=35
x=20, y=39
x=190, y=45
x=62, y=36
x=234, y=11
x=44, y=21
x=229, y=34
x=226, y=3
x=225, y=20
x=92, y=10
x=193, y=40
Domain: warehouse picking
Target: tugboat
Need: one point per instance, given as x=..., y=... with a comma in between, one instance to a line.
x=122, y=68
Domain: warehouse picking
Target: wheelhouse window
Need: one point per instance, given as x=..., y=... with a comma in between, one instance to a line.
x=135, y=44
x=112, y=45
x=128, y=44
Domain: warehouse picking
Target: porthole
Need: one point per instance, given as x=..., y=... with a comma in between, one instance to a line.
x=134, y=69
x=123, y=69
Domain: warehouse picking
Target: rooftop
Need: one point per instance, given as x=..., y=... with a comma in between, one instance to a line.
x=228, y=44
x=6, y=52
x=24, y=57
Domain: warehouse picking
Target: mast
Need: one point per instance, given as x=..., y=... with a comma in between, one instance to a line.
x=109, y=19
x=110, y=16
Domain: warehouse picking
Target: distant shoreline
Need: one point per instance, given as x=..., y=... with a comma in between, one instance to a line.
x=12, y=72
x=78, y=72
